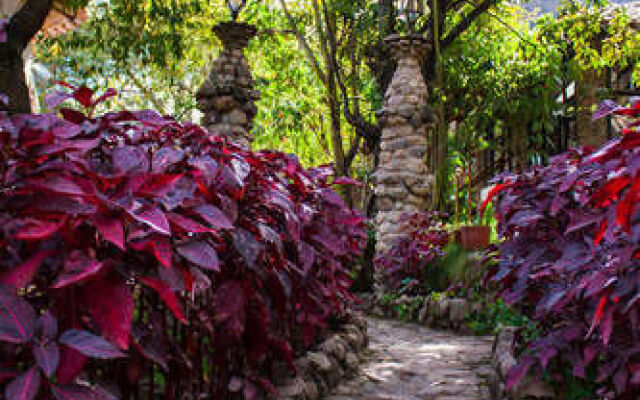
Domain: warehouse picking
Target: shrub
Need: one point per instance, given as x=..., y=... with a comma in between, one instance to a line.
x=570, y=262
x=411, y=260
x=100, y=215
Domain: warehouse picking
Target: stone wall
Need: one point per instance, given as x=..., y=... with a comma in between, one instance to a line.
x=445, y=313
x=403, y=181
x=321, y=370
x=227, y=98
x=502, y=359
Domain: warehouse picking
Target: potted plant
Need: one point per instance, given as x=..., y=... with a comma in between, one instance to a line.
x=471, y=236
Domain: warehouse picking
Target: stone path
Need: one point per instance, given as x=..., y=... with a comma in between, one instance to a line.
x=410, y=362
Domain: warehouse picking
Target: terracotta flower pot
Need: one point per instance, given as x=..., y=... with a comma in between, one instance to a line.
x=475, y=237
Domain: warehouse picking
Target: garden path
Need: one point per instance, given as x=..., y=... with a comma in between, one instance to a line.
x=410, y=362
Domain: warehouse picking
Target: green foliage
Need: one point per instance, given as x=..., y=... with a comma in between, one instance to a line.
x=497, y=315
x=597, y=39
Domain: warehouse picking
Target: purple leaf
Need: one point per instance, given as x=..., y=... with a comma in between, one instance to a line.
x=75, y=392
x=201, y=254
x=47, y=355
x=605, y=108
x=47, y=326
x=56, y=98
x=152, y=343
x=214, y=216
x=230, y=302
x=77, y=268
x=89, y=344
x=247, y=245
x=4, y=23
x=519, y=371
x=110, y=228
x=152, y=217
x=165, y=158
x=130, y=160
x=17, y=317
x=24, y=387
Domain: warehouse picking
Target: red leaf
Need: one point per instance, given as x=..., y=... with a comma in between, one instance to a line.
x=24, y=387
x=601, y=232
x=610, y=190
x=159, y=185
x=111, y=306
x=20, y=276
x=35, y=229
x=5, y=375
x=83, y=96
x=58, y=184
x=623, y=211
x=17, y=318
x=89, y=344
x=634, y=369
x=201, y=254
x=606, y=326
x=230, y=303
x=346, y=181
x=110, y=228
x=167, y=295
x=77, y=268
x=159, y=246
x=187, y=224
x=497, y=189
x=598, y=315
x=71, y=363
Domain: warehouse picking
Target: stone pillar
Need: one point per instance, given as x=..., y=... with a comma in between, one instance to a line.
x=403, y=180
x=227, y=98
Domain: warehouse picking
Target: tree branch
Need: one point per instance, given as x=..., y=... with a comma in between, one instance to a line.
x=26, y=22
x=466, y=22
x=303, y=43
x=364, y=129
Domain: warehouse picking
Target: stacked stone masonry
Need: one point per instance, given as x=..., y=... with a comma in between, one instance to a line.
x=502, y=359
x=403, y=181
x=444, y=313
x=336, y=358
x=227, y=98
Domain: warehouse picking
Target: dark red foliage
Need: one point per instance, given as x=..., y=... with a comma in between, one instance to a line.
x=407, y=260
x=570, y=260
x=96, y=212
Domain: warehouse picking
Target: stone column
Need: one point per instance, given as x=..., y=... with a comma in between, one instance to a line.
x=227, y=98
x=403, y=180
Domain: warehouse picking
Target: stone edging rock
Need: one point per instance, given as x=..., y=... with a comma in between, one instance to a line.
x=445, y=313
x=502, y=359
x=321, y=370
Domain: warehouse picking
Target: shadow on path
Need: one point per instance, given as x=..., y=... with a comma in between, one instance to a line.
x=410, y=362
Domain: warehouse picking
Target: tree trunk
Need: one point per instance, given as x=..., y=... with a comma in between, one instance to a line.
x=22, y=27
